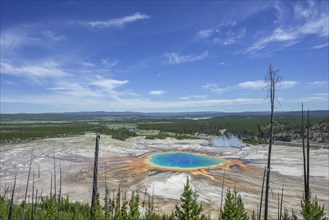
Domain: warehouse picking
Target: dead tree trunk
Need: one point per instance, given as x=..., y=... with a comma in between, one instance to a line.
x=304, y=157
x=281, y=203
x=261, y=196
x=95, y=176
x=278, y=206
x=10, y=215
x=60, y=190
x=272, y=79
x=54, y=175
x=106, y=196
x=32, y=212
x=27, y=186
x=221, y=200
x=307, y=195
x=51, y=185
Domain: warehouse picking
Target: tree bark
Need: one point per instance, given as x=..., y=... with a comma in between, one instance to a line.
x=272, y=79
x=95, y=176
x=10, y=215
x=261, y=196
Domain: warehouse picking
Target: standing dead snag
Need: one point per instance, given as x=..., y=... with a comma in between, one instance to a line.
x=10, y=215
x=60, y=190
x=261, y=195
x=93, y=198
x=27, y=186
x=281, y=203
x=304, y=157
x=54, y=175
x=306, y=154
x=32, y=212
x=222, y=195
x=272, y=78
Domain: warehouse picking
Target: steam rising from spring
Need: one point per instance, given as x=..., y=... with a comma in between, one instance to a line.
x=230, y=141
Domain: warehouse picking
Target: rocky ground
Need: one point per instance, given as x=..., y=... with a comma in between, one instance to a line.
x=124, y=163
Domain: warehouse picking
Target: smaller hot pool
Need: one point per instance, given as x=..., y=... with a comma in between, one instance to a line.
x=184, y=160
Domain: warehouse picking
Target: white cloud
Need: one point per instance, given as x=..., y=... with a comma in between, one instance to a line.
x=72, y=103
x=225, y=33
x=28, y=35
x=205, y=33
x=258, y=84
x=317, y=84
x=193, y=97
x=40, y=69
x=310, y=19
x=215, y=88
x=110, y=63
x=54, y=36
x=157, y=92
x=98, y=88
x=261, y=84
x=118, y=22
x=11, y=39
x=108, y=84
x=287, y=84
x=176, y=58
x=230, y=37
x=317, y=97
x=320, y=46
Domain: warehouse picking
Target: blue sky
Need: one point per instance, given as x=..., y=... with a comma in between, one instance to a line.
x=59, y=56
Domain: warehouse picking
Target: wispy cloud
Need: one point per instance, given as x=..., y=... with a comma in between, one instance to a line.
x=258, y=84
x=287, y=84
x=193, y=97
x=215, y=88
x=317, y=98
x=108, y=84
x=89, y=103
x=54, y=36
x=261, y=84
x=320, y=46
x=98, y=87
x=11, y=39
x=177, y=58
x=309, y=19
x=317, y=84
x=118, y=22
x=28, y=35
x=41, y=69
x=110, y=63
x=225, y=34
x=157, y=92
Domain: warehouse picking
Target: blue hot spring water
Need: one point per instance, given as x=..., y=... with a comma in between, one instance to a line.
x=184, y=160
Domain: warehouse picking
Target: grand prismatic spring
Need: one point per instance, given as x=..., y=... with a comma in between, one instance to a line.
x=183, y=160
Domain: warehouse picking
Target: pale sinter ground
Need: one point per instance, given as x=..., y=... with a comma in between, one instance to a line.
x=76, y=158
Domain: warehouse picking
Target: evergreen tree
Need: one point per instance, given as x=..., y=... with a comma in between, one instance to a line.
x=149, y=214
x=233, y=208
x=286, y=215
x=124, y=207
x=97, y=213
x=51, y=209
x=134, y=213
x=3, y=208
x=117, y=215
x=311, y=210
x=107, y=204
x=189, y=209
x=253, y=216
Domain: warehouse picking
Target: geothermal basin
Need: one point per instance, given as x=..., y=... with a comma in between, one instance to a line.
x=183, y=160
x=127, y=165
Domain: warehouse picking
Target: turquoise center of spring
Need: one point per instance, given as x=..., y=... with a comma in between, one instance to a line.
x=184, y=160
